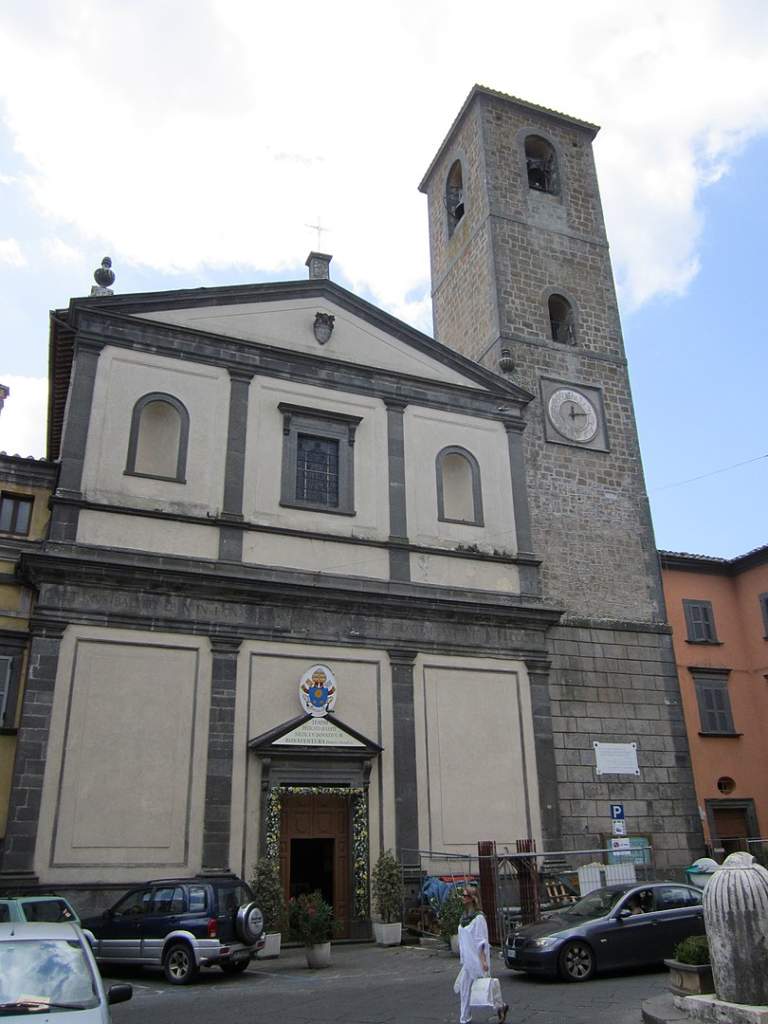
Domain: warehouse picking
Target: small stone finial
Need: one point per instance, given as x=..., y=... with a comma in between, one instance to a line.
x=104, y=276
x=4, y=392
x=319, y=266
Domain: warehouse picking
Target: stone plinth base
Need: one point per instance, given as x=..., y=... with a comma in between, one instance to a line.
x=711, y=1010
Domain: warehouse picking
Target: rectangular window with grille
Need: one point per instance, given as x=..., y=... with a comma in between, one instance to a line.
x=764, y=609
x=700, y=621
x=317, y=470
x=714, y=703
x=15, y=514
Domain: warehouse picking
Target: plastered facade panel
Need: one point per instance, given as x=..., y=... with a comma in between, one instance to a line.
x=136, y=533
x=741, y=655
x=289, y=325
x=427, y=433
x=315, y=555
x=123, y=377
x=264, y=460
x=139, y=814
x=464, y=572
x=475, y=755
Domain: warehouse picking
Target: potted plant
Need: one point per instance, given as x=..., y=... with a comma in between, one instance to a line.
x=690, y=972
x=310, y=921
x=448, y=918
x=387, y=886
x=268, y=893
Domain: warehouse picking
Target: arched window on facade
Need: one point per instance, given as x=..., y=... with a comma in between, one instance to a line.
x=157, y=446
x=454, y=196
x=561, y=319
x=541, y=164
x=459, y=494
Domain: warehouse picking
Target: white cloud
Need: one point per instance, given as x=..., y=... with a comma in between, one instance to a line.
x=242, y=122
x=22, y=420
x=10, y=252
x=58, y=251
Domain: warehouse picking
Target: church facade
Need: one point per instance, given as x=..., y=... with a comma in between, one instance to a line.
x=316, y=584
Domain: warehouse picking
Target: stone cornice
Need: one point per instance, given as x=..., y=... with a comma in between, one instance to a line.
x=72, y=566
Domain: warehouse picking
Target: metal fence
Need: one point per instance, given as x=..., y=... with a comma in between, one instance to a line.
x=516, y=887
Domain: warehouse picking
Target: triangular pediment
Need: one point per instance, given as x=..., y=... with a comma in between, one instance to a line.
x=279, y=315
x=305, y=733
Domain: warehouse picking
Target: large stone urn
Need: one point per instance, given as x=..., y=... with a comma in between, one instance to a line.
x=736, y=919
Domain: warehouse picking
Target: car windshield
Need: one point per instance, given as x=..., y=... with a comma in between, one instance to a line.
x=42, y=975
x=595, y=904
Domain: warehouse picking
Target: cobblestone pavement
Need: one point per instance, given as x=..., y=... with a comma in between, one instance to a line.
x=368, y=985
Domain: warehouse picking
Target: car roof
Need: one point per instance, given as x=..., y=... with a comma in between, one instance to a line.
x=39, y=930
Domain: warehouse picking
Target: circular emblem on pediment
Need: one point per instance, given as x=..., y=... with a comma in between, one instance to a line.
x=317, y=691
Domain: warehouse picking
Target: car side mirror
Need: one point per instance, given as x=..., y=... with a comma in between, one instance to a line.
x=623, y=914
x=119, y=994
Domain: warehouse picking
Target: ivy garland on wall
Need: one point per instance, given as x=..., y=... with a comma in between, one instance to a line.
x=359, y=812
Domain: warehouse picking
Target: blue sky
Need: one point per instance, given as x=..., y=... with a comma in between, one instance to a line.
x=195, y=141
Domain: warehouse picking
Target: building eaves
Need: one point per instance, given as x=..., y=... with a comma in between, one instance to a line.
x=686, y=562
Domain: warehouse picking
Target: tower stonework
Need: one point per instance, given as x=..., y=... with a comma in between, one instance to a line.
x=522, y=283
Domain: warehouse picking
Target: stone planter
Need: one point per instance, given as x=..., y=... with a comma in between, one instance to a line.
x=690, y=979
x=271, y=948
x=388, y=934
x=319, y=955
x=455, y=944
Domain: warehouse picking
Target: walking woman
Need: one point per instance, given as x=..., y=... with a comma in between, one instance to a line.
x=475, y=953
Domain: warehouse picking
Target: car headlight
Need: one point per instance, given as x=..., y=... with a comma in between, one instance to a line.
x=546, y=942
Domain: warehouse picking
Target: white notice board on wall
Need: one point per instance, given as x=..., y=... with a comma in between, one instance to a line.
x=616, y=759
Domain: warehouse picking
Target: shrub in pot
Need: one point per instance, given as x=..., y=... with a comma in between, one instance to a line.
x=690, y=972
x=311, y=922
x=268, y=893
x=449, y=915
x=387, y=888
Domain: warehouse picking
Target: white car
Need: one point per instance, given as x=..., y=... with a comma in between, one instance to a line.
x=48, y=970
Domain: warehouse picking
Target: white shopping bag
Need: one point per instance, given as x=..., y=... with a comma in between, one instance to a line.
x=485, y=994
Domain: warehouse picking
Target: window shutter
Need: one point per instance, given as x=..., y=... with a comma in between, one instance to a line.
x=6, y=664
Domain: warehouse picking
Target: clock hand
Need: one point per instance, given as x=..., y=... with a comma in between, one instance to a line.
x=574, y=412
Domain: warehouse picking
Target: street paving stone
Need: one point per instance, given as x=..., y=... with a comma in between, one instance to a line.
x=369, y=985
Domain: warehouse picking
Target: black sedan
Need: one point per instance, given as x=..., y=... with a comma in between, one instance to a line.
x=617, y=926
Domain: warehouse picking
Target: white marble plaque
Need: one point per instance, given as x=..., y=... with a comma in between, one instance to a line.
x=616, y=759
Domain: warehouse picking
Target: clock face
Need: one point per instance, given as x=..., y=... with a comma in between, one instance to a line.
x=572, y=414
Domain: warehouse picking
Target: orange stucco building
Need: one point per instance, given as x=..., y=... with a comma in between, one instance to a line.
x=718, y=610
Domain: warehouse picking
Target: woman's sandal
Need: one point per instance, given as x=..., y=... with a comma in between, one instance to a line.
x=503, y=1013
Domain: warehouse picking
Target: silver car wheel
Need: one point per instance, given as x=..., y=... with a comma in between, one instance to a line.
x=577, y=961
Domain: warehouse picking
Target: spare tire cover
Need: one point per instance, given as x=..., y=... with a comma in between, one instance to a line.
x=249, y=923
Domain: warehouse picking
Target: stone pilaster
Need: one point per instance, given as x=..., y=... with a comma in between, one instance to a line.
x=399, y=557
x=31, y=752
x=218, y=778
x=231, y=537
x=404, y=757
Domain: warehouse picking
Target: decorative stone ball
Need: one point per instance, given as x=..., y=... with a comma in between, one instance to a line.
x=104, y=276
x=736, y=919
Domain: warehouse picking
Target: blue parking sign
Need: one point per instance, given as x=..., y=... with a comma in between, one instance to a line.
x=617, y=812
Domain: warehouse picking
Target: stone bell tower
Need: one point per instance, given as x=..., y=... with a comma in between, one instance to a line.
x=522, y=283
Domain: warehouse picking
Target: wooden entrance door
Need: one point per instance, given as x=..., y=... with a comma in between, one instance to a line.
x=732, y=828
x=325, y=819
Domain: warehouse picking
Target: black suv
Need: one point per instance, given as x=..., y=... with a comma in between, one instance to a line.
x=181, y=924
